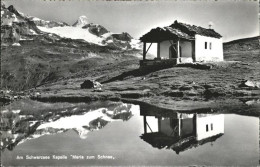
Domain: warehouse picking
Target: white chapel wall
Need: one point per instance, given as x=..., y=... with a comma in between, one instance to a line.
x=213, y=54
x=217, y=123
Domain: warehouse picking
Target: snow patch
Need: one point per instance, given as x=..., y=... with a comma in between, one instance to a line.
x=82, y=132
x=4, y=111
x=106, y=35
x=73, y=33
x=22, y=116
x=36, y=19
x=32, y=123
x=91, y=54
x=135, y=44
x=24, y=39
x=33, y=32
x=16, y=111
x=75, y=121
x=110, y=112
x=110, y=41
x=22, y=14
x=15, y=18
x=16, y=44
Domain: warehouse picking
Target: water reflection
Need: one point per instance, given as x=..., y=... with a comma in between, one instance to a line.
x=66, y=129
x=180, y=131
x=18, y=126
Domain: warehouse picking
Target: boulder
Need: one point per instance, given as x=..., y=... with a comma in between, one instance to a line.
x=89, y=84
x=251, y=84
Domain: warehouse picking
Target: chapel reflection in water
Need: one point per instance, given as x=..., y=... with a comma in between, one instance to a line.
x=180, y=131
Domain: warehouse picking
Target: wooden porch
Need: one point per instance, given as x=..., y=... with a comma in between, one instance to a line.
x=170, y=53
x=171, y=59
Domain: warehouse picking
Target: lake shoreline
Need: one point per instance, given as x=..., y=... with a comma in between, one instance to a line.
x=177, y=88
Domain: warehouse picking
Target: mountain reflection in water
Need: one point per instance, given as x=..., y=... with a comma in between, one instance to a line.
x=132, y=134
x=16, y=128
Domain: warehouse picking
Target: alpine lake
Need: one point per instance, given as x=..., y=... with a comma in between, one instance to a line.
x=120, y=134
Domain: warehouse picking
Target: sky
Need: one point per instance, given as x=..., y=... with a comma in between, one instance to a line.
x=233, y=19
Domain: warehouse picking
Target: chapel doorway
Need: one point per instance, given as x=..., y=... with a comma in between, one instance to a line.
x=173, y=51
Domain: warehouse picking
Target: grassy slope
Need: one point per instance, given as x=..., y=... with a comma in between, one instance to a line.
x=186, y=88
x=247, y=50
x=223, y=74
x=36, y=63
x=162, y=87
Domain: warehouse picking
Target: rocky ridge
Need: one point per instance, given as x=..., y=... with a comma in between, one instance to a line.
x=16, y=26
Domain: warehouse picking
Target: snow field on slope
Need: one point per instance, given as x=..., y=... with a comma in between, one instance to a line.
x=73, y=33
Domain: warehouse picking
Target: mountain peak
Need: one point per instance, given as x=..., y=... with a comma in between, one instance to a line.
x=2, y=5
x=11, y=8
x=82, y=21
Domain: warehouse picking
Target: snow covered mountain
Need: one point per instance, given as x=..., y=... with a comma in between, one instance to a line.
x=82, y=123
x=29, y=44
x=93, y=33
x=82, y=21
x=17, y=26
